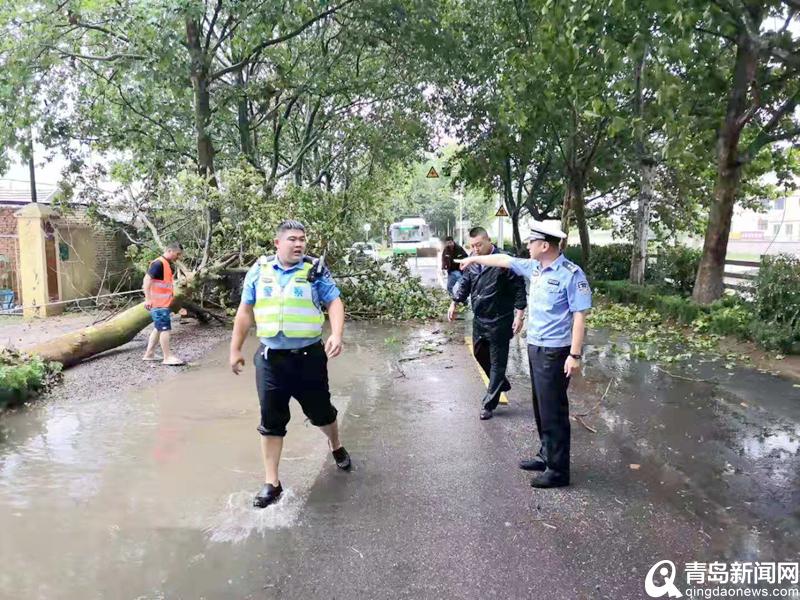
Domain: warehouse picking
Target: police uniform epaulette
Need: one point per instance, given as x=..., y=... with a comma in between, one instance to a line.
x=571, y=266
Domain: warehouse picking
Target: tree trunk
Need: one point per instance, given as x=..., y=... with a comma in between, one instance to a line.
x=574, y=202
x=515, y=231
x=71, y=348
x=579, y=207
x=243, y=121
x=566, y=213
x=202, y=101
x=512, y=204
x=647, y=172
x=708, y=285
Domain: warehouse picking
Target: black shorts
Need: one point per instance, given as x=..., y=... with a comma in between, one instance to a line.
x=302, y=374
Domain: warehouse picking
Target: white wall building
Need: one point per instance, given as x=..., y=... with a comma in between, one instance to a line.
x=774, y=231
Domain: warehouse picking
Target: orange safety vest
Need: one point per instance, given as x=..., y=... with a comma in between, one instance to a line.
x=161, y=290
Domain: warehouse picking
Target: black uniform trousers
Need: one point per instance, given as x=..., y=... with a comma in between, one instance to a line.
x=300, y=373
x=491, y=352
x=550, y=404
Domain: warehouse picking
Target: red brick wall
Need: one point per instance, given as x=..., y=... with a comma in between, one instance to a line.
x=8, y=248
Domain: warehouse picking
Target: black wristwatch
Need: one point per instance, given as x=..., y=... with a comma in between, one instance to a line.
x=576, y=356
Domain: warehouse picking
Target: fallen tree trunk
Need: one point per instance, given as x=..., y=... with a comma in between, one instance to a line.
x=72, y=348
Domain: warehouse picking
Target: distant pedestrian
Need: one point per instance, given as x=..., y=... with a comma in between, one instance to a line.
x=559, y=300
x=159, y=291
x=498, y=305
x=450, y=253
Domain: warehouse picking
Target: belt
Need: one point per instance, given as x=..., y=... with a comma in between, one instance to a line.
x=302, y=350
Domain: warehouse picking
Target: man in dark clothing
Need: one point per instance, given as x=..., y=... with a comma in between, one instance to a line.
x=450, y=253
x=498, y=303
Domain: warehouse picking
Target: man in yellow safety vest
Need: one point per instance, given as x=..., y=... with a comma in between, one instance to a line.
x=285, y=295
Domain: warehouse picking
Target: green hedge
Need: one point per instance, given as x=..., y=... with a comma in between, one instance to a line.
x=730, y=315
x=674, y=266
x=776, y=304
x=609, y=262
x=677, y=266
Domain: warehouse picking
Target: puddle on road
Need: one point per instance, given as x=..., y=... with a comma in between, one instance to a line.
x=721, y=443
x=109, y=496
x=238, y=520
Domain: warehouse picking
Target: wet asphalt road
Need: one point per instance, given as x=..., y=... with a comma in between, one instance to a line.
x=147, y=495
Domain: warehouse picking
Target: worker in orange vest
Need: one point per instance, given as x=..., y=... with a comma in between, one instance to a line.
x=159, y=289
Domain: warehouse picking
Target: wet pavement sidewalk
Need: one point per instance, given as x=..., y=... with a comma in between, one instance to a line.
x=148, y=495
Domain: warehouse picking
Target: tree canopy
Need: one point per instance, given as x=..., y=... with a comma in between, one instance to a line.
x=207, y=116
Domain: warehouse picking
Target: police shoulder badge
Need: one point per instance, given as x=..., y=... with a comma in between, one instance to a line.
x=583, y=287
x=570, y=266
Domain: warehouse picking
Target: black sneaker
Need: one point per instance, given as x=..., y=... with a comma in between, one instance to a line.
x=486, y=414
x=269, y=494
x=532, y=464
x=549, y=479
x=342, y=459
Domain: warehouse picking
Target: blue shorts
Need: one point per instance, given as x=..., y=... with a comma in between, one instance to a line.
x=162, y=318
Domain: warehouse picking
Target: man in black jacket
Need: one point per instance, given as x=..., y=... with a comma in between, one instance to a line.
x=498, y=303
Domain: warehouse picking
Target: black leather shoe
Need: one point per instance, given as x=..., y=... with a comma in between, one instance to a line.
x=342, y=459
x=505, y=387
x=549, y=479
x=269, y=494
x=532, y=464
x=486, y=414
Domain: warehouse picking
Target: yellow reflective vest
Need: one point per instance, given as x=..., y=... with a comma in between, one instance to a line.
x=290, y=308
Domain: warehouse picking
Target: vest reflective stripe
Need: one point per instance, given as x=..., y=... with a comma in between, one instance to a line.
x=290, y=309
x=162, y=290
x=276, y=310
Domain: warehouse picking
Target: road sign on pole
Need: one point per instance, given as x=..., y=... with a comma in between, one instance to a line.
x=501, y=238
x=432, y=174
x=500, y=214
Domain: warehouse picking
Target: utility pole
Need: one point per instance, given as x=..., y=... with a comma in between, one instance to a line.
x=461, y=218
x=501, y=238
x=31, y=167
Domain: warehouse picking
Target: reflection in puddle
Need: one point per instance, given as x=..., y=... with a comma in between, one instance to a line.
x=238, y=520
x=773, y=443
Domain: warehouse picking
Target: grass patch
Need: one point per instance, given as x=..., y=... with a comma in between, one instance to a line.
x=23, y=376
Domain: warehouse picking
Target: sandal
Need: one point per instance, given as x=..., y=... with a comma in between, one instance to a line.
x=173, y=362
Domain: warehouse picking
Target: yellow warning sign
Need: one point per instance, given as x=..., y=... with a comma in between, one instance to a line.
x=432, y=174
x=501, y=212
